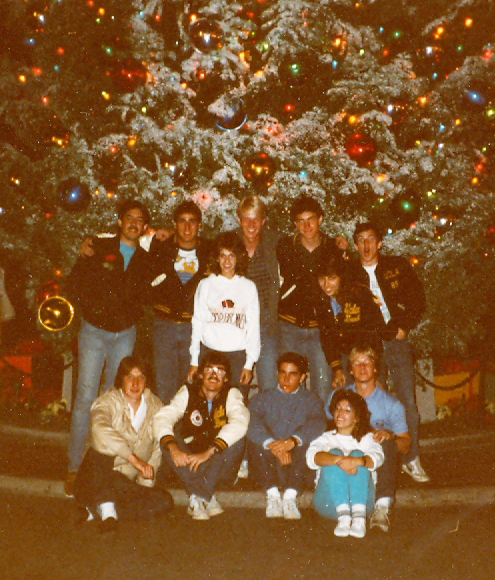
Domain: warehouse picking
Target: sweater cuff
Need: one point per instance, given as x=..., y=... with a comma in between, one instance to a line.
x=220, y=444
x=267, y=442
x=166, y=440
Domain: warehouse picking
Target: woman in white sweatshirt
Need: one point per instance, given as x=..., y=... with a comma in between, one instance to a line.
x=227, y=312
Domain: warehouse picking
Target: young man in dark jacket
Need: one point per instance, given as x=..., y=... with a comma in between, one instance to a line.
x=401, y=298
x=177, y=266
x=109, y=287
x=299, y=256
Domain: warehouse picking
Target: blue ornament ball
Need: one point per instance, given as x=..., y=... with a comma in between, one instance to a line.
x=233, y=117
x=74, y=196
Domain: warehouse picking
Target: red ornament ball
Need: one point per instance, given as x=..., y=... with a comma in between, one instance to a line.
x=128, y=75
x=259, y=169
x=361, y=148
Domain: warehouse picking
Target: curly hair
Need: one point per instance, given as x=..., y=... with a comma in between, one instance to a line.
x=213, y=358
x=229, y=241
x=359, y=406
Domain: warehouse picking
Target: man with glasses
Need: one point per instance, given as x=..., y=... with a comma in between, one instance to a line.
x=202, y=433
x=401, y=298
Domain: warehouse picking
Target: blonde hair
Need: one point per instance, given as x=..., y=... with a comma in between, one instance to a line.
x=365, y=350
x=251, y=203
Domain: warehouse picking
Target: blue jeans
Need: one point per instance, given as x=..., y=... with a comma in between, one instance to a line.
x=336, y=488
x=266, y=367
x=96, y=348
x=220, y=468
x=171, y=343
x=397, y=356
x=306, y=342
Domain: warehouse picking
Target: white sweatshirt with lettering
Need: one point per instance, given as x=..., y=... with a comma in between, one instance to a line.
x=226, y=317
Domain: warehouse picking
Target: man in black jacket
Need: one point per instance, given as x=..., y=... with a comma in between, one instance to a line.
x=299, y=257
x=401, y=298
x=109, y=287
x=177, y=265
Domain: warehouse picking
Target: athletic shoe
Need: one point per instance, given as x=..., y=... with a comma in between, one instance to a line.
x=213, y=508
x=197, y=508
x=414, y=469
x=343, y=527
x=358, y=528
x=379, y=519
x=274, y=507
x=290, y=509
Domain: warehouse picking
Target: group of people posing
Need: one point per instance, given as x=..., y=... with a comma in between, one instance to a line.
x=221, y=309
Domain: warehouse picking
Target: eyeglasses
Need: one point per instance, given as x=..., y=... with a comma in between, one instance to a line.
x=219, y=371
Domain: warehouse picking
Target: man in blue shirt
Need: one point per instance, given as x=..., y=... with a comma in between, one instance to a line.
x=388, y=419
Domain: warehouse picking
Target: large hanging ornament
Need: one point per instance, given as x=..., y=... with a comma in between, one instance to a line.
x=259, y=169
x=232, y=116
x=476, y=96
x=206, y=35
x=128, y=75
x=405, y=208
x=361, y=148
x=74, y=196
x=55, y=313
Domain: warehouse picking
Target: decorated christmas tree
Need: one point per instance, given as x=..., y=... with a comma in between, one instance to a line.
x=381, y=110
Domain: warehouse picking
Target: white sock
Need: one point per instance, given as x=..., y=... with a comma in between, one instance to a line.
x=107, y=510
x=290, y=493
x=358, y=510
x=273, y=492
x=343, y=510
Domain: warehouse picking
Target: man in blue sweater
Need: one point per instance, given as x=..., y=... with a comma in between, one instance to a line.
x=283, y=422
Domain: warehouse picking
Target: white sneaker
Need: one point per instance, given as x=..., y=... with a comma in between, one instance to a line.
x=197, y=508
x=343, y=527
x=274, y=507
x=243, y=470
x=358, y=527
x=415, y=470
x=213, y=508
x=380, y=519
x=290, y=509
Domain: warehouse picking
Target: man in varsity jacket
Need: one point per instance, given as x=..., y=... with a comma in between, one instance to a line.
x=202, y=434
x=401, y=298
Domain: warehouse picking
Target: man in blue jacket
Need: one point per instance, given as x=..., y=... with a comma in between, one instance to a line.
x=109, y=287
x=284, y=421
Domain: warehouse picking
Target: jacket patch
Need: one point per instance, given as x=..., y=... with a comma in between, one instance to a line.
x=219, y=417
x=196, y=418
x=352, y=313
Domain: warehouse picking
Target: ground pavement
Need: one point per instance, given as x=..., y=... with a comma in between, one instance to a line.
x=440, y=531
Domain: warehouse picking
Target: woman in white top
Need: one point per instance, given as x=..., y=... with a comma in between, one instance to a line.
x=226, y=312
x=345, y=458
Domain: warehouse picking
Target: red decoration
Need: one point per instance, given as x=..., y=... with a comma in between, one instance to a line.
x=361, y=148
x=129, y=74
x=46, y=290
x=259, y=169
